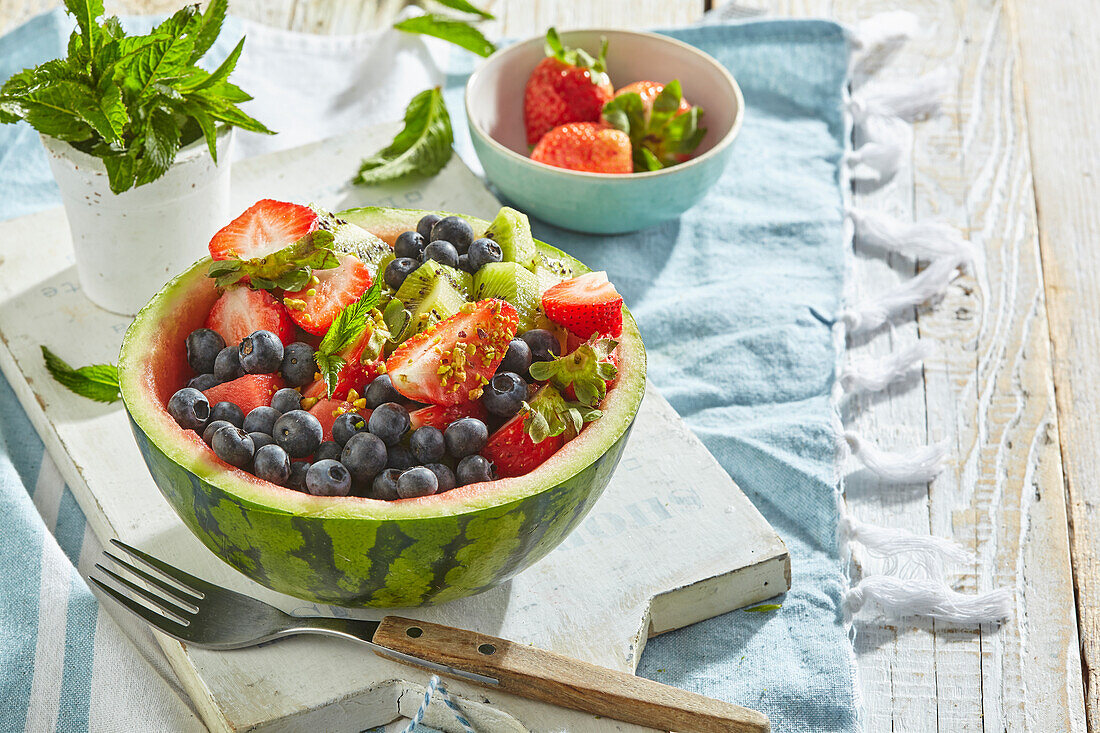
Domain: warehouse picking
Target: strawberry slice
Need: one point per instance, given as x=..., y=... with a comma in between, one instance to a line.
x=440, y=416
x=450, y=362
x=316, y=306
x=512, y=448
x=263, y=228
x=586, y=305
x=326, y=411
x=241, y=311
x=247, y=392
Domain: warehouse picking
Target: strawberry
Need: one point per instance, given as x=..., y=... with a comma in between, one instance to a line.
x=241, y=311
x=450, y=362
x=440, y=416
x=326, y=411
x=585, y=373
x=662, y=126
x=585, y=305
x=566, y=86
x=586, y=146
x=315, y=306
x=263, y=228
x=247, y=392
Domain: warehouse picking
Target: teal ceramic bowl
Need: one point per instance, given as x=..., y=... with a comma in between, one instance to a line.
x=595, y=202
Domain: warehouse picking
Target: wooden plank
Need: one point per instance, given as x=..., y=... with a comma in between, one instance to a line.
x=1058, y=57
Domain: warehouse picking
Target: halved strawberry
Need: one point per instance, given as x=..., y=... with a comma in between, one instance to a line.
x=326, y=411
x=316, y=306
x=241, y=311
x=586, y=305
x=247, y=392
x=440, y=416
x=450, y=362
x=536, y=432
x=263, y=228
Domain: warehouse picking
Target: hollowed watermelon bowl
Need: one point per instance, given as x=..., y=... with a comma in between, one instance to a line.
x=352, y=551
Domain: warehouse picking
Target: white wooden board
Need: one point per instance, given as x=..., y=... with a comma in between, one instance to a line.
x=671, y=542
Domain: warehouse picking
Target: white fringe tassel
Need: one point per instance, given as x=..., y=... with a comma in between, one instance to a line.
x=864, y=376
x=919, y=240
x=907, y=555
x=891, y=28
x=883, y=142
x=917, y=465
x=932, y=598
x=929, y=283
x=910, y=101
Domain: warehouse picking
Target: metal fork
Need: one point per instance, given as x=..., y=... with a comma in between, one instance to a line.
x=197, y=612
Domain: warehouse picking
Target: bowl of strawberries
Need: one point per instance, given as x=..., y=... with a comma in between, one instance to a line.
x=603, y=131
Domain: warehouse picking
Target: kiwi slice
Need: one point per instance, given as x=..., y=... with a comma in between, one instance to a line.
x=512, y=282
x=512, y=231
x=353, y=239
x=432, y=293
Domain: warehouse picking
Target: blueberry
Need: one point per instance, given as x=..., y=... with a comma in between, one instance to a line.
x=475, y=469
x=504, y=394
x=232, y=445
x=261, y=420
x=348, y=425
x=424, y=226
x=297, y=479
x=203, y=346
x=398, y=270
x=409, y=244
x=261, y=439
x=212, y=427
x=329, y=450
x=261, y=353
x=271, y=463
x=482, y=252
x=442, y=252
x=418, y=481
x=400, y=457
x=204, y=382
x=190, y=408
x=328, y=478
x=465, y=436
x=444, y=476
x=427, y=444
x=229, y=412
x=464, y=263
x=297, y=366
x=384, y=486
x=298, y=433
x=389, y=422
x=364, y=455
x=453, y=229
x=227, y=366
x=287, y=399
x=517, y=359
x=381, y=391
x=543, y=344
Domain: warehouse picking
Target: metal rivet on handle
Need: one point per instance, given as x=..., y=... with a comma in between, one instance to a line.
x=487, y=649
x=414, y=631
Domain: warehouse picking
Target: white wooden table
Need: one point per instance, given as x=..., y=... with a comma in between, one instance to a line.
x=1014, y=161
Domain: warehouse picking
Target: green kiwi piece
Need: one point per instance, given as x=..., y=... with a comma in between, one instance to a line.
x=512, y=282
x=432, y=293
x=512, y=231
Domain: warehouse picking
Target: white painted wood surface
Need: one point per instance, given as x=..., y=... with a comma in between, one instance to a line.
x=592, y=599
x=989, y=390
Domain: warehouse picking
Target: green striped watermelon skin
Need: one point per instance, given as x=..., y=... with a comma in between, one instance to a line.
x=386, y=563
x=356, y=552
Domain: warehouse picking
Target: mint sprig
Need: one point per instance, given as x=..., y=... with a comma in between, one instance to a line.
x=660, y=138
x=344, y=331
x=458, y=32
x=132, y=101
x=422, y=147
x=465, y=7
x=289, y=268
x=97, y=382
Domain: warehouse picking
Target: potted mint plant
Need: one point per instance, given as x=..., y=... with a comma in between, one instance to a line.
x=134, y=130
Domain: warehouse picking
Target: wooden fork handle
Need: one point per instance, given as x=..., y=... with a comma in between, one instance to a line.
x=541, y=675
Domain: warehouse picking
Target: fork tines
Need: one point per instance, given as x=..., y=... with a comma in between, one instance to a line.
x=168, y=595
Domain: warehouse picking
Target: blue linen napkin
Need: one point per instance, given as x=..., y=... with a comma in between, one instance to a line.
x=723, y=297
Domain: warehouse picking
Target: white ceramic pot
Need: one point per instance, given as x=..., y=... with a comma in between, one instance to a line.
x=128, y=245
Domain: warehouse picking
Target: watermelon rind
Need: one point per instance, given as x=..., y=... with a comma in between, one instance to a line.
x=354, y=551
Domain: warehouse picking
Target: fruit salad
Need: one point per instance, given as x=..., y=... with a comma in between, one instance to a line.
x=334, y=364
x=574, y=118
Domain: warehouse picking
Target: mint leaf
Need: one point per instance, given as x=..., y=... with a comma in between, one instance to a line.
x=209, y=28
x=98, y=382
x=423, y=147
x=763, y=608
x=453, y=31
x=86, y=12
x=464, y=7
x=346, y=330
